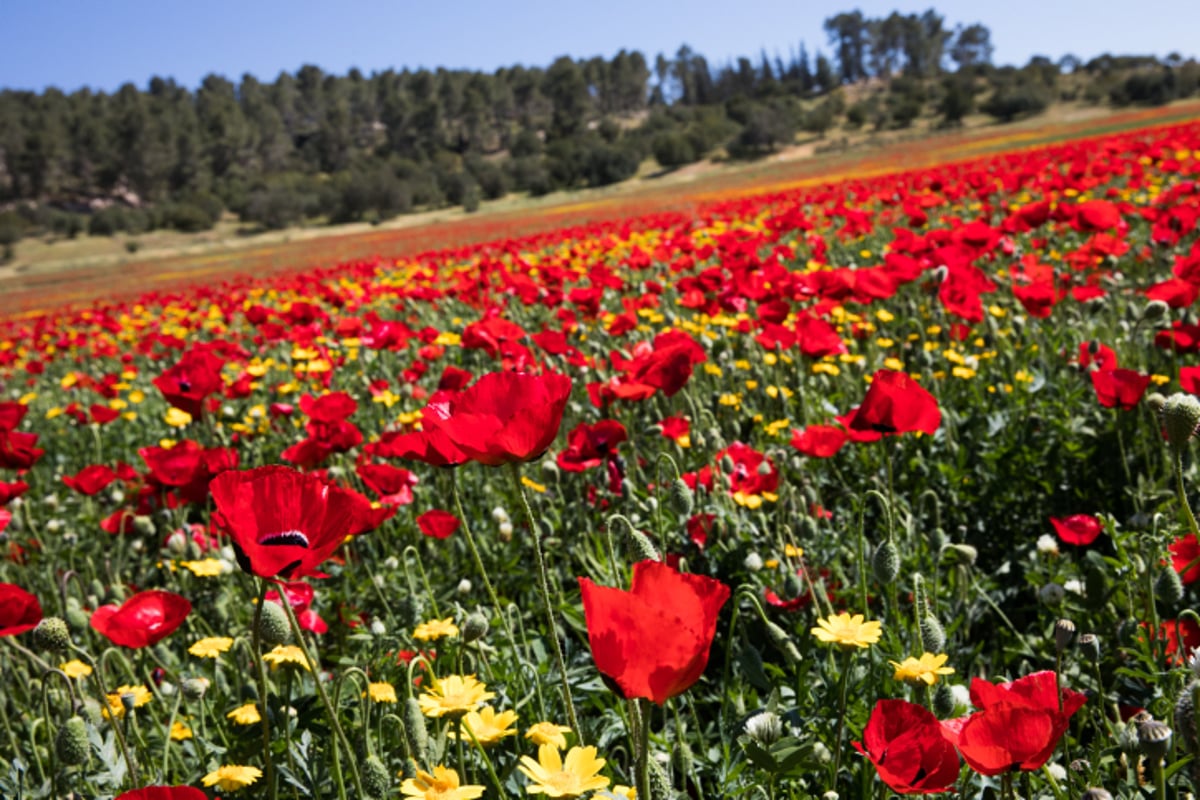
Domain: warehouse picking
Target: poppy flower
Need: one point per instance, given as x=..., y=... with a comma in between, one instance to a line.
x=18, y=450
x=163, y=793
x=1119, y=388
x=653, y=640
x=905, y=743
x=285, y=522
x=1018, y=724
x=896, y=403
x=1080, y=529
x=589, y=445
x=393, y=484
x=668, y=366
x=20, y=611
x=819, y=441
x=91, y=480
x=437, y=523
x=1184, y=552
x=142, y=620
x=504, y=417
x=186, y=385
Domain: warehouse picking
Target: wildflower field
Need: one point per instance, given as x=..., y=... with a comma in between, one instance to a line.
x=869, y=487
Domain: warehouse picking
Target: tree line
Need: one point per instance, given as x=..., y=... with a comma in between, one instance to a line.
x=312, y=146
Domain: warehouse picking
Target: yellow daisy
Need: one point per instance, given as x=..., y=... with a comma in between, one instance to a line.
x=179, y=732
x=211, y=647
x=488, y=726
x=232, y=778
x=454, y=694
x=205, y=568
x=436, y=629
x=116, y=704
x=925, y=669
x=245, y=715
x=848, y=631
x=548, y=733
x=382, y=692
x=75, y=669
x=285, y=654
x=441, y=785
x=554, y=776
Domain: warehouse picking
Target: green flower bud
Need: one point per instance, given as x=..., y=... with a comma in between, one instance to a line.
x=375, y=778
x=961, y=554
x=1089, y=646
x=943, y=700
x=681, y=498
x=1185, y=716
x=414, y=728
x=1181, y=417
x=933, y=635
x=52, y=634
x=71, y=743
x=660, y=784
x=475, y=627
x=1167, y=586
x=885, y=563
x=1155, y=310
x=194, y=688
x=780, y=639
x=273, y=627
x=143, y=525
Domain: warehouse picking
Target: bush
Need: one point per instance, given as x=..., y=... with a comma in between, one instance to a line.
x=1009, y=102
x=188, y=217
x=673, y=149
x=275, y=207
x=107, y=221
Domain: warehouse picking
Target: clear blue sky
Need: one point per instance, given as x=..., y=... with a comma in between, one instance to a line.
x=74, y=43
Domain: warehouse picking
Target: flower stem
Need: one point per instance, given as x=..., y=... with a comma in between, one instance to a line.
x=544, y=587
x=120, y=734
x=1183, y=501
x=843, y=687
x=334, y=723
x=643, y=748
x=263, y=691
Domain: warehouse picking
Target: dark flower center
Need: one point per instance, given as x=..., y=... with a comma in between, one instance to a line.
x=294, y=538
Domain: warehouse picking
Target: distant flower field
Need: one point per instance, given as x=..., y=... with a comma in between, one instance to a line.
x=875, y=485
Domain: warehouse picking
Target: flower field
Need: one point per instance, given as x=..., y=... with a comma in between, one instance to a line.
x=871, y=486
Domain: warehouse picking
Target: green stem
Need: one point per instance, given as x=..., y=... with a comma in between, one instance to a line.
x=339, y=732
x=1182, y=492
x=263, y=689
x=544, y=588
x=843, y=687
x=642, y=709
x=134, y=775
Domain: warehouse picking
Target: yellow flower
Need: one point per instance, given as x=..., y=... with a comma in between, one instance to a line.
x=116, y=706
x=75, y=669
x=245, y=715
x=206, y=568
x=548, y=733
x=848, y=631
x=286, y=654
x=627, y=792
x=488, y=726
x=555, y=777
x=441, y=785
x=382, y=692
x=211, y=646
x=454, y=694
x=232, y=778
x=178, y=418
x=925, y=669
x=436, y=629
x=179, y=732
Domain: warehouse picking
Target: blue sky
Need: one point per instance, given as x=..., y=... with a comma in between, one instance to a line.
x=74, y=43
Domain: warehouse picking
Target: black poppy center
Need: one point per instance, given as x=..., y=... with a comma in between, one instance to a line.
x=293, y=538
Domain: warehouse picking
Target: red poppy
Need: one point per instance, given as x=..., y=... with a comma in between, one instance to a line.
x=103, y=415
x=188, y=383
x=896, y=403
x=10, y=491
x=164, y=793
x=589, y=445
x=91, y=480
x=1080, y=529
x=753, y=473
x=437, y=523
x=1185, y=557
x=819, y=441
x=504, y=417
x=668, y=365
x=1119, y=388
x=699, y=528
x=20, y=611
x=17, y=449
x=142, y=620
x=393, y=484
x=285, y=522
x=11, y=415
x=677, y=429
x=653, y=640
x=1018, y=724
x=905, y=743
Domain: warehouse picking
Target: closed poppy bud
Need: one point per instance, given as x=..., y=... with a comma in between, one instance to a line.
x=933, y=635
x=194, y=688
x=375, y=777
x=885, y=563
x=780, y=639
x=961, y=554
x=1180, y=416
x=681, y=498
x=943, y=700
x=1168, y=587
x=1185, y=715
x=52, y=634
x=71, y=743
x=414, y=728
x=1155, y=310
x=273, y=626
x=475, y=627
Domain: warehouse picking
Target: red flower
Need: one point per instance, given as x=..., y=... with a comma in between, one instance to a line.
x=1184, y=552
x=17, y=450
x=19, y=610
x=896, y=403
x=653, y=640
x=677, y=429
x=164, y=793
x=142, y=620
x=1119, y=388
x=393, y=484
x=668, y=366
x=285, y=522
x=1018, y=724
x=753, y=473
x=589, y=445
x=504, y=417
x=188, y=383
x=905, y=743
x=91, y=480
x=437, y=523
x=1081, y=529
x=819, y=441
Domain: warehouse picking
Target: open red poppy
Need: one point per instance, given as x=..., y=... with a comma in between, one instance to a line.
x=905, y=743
x=1080, y=529
x=20, y=611
x=653, y=640
x=142, y=620
x=284, y=522
x=896, y=403
x=437, y=523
